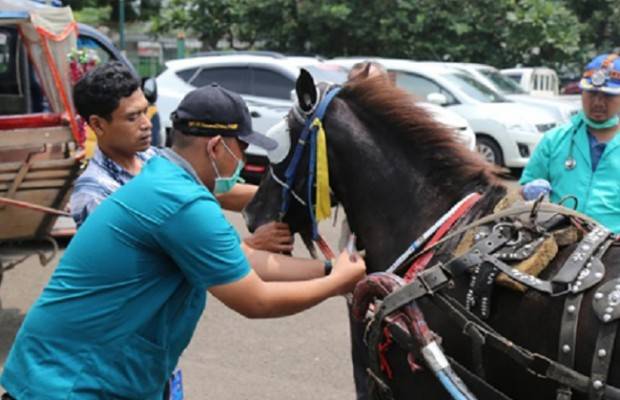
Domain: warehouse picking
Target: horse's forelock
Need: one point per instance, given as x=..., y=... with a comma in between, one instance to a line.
x=436, y=143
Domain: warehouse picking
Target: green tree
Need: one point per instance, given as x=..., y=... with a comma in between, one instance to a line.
x=600, y=18
x=210, y=20
x=134, y=9
x=499, y=32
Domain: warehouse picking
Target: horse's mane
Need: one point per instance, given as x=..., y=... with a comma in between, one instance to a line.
x=436, y=144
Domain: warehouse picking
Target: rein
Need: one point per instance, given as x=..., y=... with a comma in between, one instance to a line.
x=443, y=223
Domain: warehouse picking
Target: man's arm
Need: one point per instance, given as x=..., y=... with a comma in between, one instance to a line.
x=82, y=203
x=255, y=298
x=278, y=267
x=538, y=165
x=239, y=196
x=274, y=236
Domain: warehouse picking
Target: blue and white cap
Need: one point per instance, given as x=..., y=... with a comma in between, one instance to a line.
x=602, y=74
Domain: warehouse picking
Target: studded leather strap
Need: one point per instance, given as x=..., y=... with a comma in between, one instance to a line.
x=602, y=359
x=568, y=338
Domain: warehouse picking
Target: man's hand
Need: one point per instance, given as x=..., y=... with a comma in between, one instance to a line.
x=349, y=269
x=274, y=237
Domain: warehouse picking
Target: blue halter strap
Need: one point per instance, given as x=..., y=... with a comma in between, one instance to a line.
x=307, y=135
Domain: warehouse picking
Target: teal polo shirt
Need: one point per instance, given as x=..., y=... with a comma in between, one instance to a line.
x=126, y=296
x=598, y=190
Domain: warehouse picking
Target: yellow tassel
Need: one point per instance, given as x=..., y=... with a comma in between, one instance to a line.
x=323, y=201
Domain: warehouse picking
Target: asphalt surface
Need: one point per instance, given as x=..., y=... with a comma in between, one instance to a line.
x=303, y=357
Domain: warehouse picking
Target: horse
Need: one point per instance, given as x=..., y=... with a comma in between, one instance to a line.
x=396, y=171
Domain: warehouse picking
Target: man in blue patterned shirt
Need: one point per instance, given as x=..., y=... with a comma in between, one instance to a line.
x=111, y=102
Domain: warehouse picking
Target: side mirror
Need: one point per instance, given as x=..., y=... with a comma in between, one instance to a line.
x=437, y=98
x=149, y=88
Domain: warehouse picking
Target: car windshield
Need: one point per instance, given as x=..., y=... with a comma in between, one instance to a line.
x=502, y=83
x=473, y=88
x=327, y=73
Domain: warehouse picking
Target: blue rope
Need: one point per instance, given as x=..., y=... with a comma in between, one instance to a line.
x=311, y=169
x=450, y=386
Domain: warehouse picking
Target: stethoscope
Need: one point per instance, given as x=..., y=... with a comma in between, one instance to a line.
x=570, y=163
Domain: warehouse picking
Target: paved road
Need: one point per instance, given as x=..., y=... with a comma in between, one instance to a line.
x=304, y=357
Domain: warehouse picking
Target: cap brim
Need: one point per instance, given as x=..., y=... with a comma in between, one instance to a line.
x=260, y=140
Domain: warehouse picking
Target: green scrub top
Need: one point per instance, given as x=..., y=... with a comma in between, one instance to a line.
x=126, y=296
x=598, y=191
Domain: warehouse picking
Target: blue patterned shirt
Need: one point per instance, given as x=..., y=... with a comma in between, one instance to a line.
x=101, y=178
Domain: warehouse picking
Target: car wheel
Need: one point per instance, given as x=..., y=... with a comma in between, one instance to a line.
x=489, y=149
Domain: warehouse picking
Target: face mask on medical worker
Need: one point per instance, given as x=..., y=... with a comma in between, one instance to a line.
x=224, y=184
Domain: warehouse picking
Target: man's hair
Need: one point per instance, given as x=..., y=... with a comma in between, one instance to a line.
x=362, y=69
x=100, y=91
x=182, y=140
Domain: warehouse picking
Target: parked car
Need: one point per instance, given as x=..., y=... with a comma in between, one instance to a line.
x=538, y=81
x=506, y=132
x=459, y=125
x=492, y=77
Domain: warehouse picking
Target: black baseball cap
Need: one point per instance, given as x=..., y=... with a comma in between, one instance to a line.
x=213, y=110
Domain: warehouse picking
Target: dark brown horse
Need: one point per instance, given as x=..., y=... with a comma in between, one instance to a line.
x=396, y=171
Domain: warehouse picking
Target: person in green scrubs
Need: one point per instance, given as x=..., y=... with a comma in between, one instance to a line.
x=582, y=159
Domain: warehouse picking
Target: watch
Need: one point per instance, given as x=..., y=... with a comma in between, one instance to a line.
x=327, y=265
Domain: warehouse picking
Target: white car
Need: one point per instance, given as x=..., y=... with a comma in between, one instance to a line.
x=452, y=120
x=264, y=81
x=563, y=109
x=506, y=132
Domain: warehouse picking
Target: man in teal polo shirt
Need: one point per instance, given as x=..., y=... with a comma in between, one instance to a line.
x=582, y=159
x=125, y=298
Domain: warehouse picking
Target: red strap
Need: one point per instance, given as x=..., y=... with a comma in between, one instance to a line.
x=325, y=249
x=420, y=262
x=383, y=348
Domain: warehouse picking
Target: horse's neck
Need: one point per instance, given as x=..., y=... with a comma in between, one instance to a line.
x=389, y=216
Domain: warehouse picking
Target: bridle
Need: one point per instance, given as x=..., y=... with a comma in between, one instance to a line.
x=313, y=127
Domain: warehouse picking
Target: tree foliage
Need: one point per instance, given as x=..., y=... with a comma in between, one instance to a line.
x=498, y=32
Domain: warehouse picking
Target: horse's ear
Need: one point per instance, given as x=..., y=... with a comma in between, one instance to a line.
x=306, y=91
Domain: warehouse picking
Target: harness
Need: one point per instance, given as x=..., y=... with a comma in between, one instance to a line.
x=386, y=300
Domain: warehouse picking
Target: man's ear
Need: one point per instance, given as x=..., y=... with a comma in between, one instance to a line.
x=97, y=124
x=212, y=144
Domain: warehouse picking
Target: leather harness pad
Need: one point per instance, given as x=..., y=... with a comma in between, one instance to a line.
x=585, y=249
x=606, y=301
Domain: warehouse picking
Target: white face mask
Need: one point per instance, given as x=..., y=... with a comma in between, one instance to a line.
x=280, y=133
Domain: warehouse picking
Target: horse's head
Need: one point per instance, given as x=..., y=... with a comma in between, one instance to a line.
x=284, y=193
x=387, y=157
